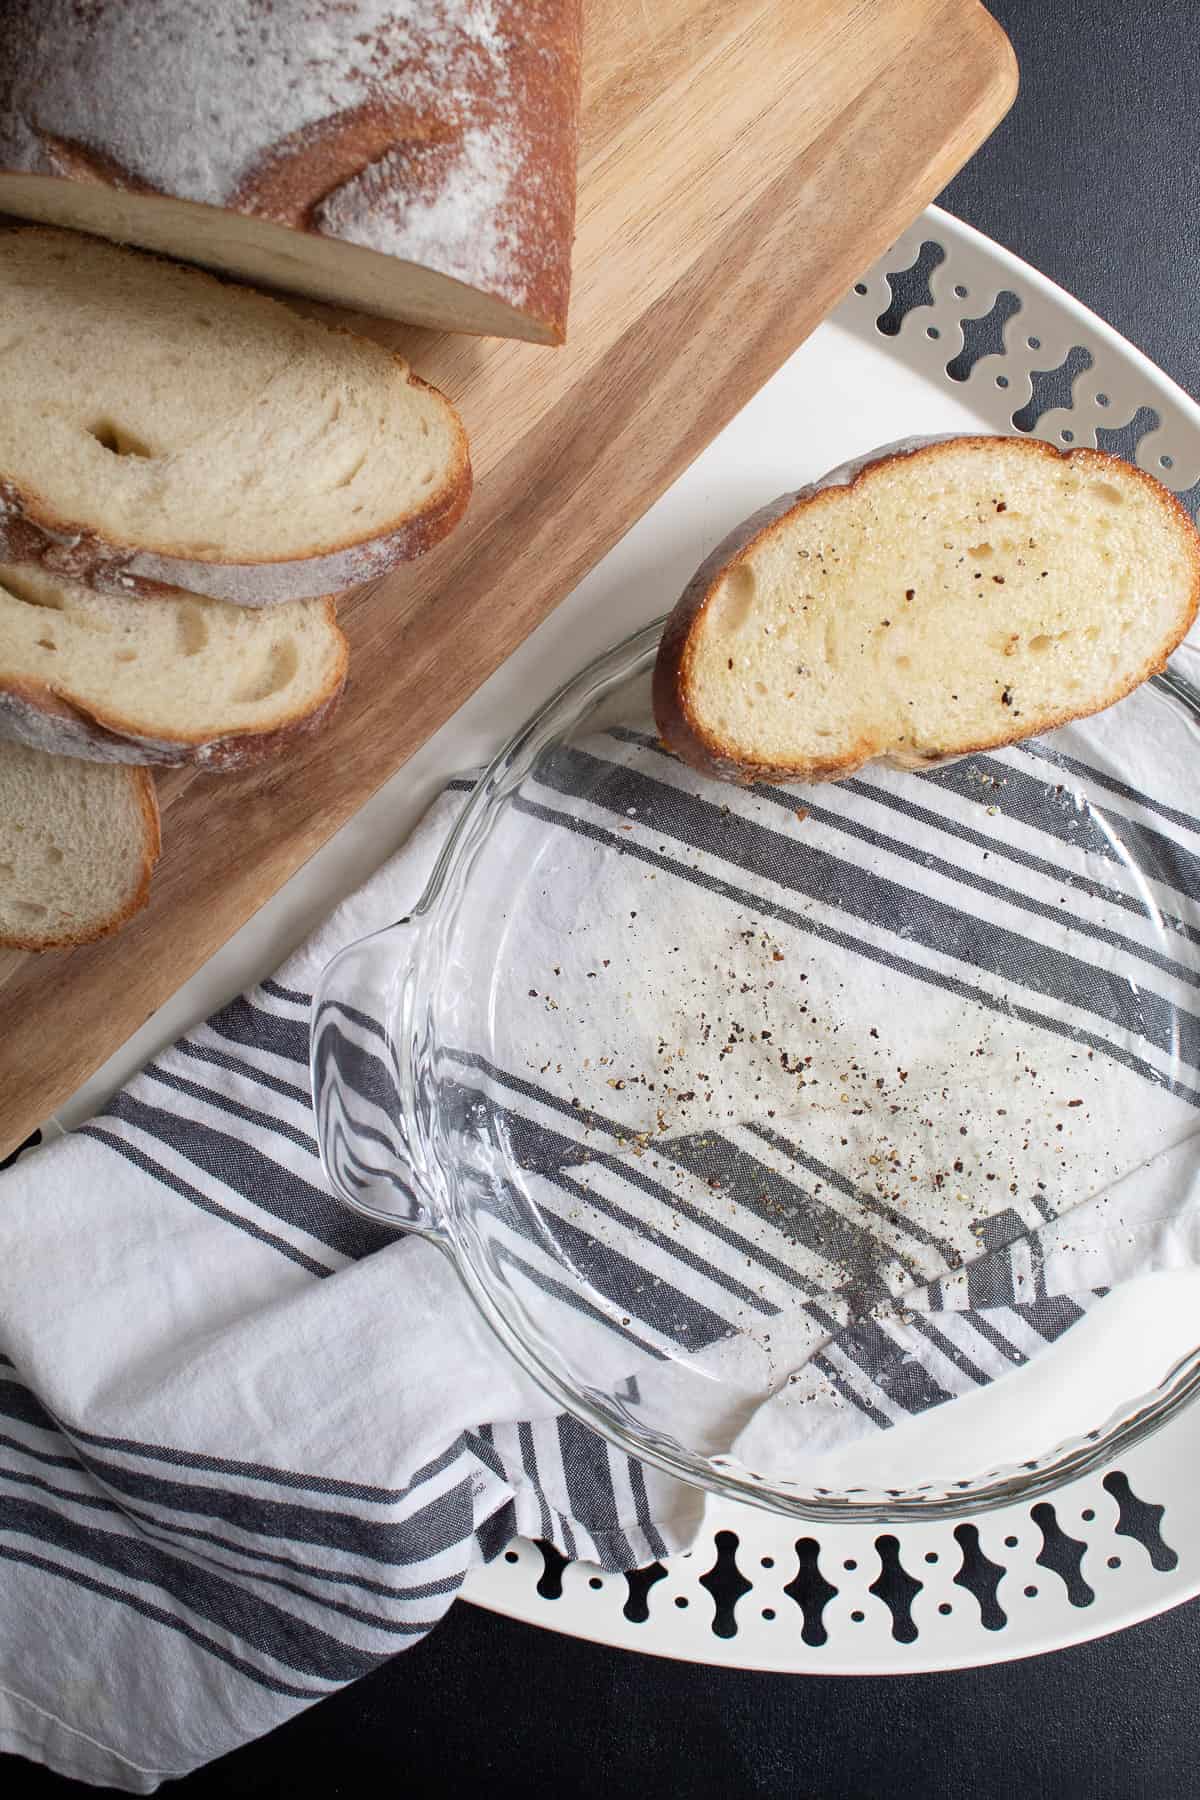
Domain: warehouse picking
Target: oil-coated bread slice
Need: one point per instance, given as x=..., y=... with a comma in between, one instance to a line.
x=929, y=600
x=165, y=430
x=119, y=678
x=78, y=842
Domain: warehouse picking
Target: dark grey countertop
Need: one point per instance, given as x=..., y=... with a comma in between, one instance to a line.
x=1094, y=178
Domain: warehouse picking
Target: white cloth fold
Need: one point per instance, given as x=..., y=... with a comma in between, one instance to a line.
x=250, y=1445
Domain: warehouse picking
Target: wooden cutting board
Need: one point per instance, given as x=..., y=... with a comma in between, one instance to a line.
x=741, y=163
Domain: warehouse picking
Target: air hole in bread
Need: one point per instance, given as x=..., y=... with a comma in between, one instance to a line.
x=54, y=855
x=736, y=598
x=81, y=620
x=126, y=656
x=979, y=551
x=831, y=649
x=22, y=589
x=191, y=629
x=46, y=644
x=1104, y=490
x=29, y=909
x=1041, y=643
x=6, y=871
x=283, y=660
x=760, y=687
x=904, y=662
x=424, y=427
x=111, y=436
x=351, y=473
x=426, y=478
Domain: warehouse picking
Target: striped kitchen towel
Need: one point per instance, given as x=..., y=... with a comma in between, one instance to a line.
x=250, y=1443
x=913, y=1117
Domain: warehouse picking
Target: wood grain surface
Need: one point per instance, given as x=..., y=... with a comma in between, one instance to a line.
x=741, y=162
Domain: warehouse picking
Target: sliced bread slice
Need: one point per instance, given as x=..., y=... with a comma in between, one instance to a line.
x=165, y=430
x=78, y=843
x=926, y=601
x=120, y=678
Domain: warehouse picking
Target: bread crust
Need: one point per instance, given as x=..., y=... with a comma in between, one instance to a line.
x=682, y=732
x=45, y=718
x=347, y=102
x=146, y=799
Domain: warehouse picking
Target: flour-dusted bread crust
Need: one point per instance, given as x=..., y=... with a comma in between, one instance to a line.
x=925, y=601
x=119, y=678
x=78, y=845
x=164, y=431
x=413, y=158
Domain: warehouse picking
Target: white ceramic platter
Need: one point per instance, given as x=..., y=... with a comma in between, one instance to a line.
x=966, y=328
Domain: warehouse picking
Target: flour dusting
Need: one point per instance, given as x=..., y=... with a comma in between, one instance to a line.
x=196, y=100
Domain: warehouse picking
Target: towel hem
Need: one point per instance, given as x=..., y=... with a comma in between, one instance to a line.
x=28, y=1730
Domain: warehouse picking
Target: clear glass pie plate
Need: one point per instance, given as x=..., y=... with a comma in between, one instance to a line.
x=723, y=1100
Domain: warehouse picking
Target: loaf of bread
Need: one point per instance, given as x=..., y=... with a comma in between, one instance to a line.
x=78, y=842
x=163, y=431
x=118, y=678
x=923, y=602
x=414, y=158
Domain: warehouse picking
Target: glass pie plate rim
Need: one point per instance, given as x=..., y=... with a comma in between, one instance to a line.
x=1127, y=1423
